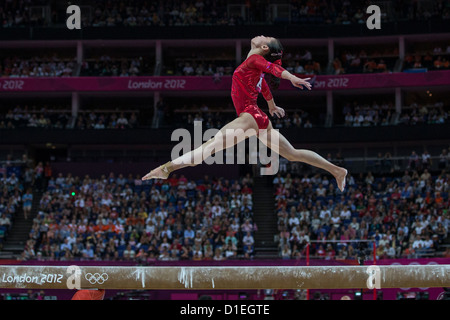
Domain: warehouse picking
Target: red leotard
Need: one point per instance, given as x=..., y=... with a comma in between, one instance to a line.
x=248, y=82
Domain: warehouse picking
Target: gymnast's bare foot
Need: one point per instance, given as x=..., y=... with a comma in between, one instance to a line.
x=340, y=176
x=162, y=172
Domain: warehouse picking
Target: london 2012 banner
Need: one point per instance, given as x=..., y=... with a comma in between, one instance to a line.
x=208, y=83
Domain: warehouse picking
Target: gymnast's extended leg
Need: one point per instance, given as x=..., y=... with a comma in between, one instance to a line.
x=245, y=124
x=273, y=139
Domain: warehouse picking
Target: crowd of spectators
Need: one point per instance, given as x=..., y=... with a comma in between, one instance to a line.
x=156, y=13
x=130, y=13
x=18, y=178
x=424, y=114
x=384, y=114
x=209, y=119
x=299, y=119
x=201, y=67
x=217, y=65
x=123, y=218
x=48, y=117
x=212, y=117
x=106, y=120
x=55, y=66
x=369, y=114
x=19, y=14
x=405, y=215
x=61, y=118
x=11, y=194
x=35, y=117
x=216, y=117
x=106, y=66
x=376, y=61
x=436, y=59
x=350, y=12
x=302, y=63
x=37, y=66
x=328, y=12
x=294, y=62
x=354, y=114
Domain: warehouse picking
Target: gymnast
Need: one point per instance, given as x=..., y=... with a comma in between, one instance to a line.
x=248, y=81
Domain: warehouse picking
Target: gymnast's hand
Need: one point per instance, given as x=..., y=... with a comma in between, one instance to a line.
x=300, y=83
x=277, y=111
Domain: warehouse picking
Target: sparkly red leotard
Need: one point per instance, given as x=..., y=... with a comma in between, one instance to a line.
x=248, y=82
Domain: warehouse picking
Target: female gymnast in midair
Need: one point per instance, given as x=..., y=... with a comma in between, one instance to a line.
x=248, y=81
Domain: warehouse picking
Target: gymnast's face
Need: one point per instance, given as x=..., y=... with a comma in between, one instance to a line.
x=261, y=42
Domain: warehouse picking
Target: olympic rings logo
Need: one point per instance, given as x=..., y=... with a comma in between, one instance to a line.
x=96, y=278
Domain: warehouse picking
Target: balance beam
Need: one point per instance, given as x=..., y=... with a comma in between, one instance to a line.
x=195, y=278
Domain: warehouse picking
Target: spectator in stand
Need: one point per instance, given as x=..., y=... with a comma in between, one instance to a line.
x=370, y=66
x=413, y=161
x=444, y=159
x=337, y=65
x=218, y=255
x=286, y=251
x=248, y=243
x=27, y=200
x=5, y=221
